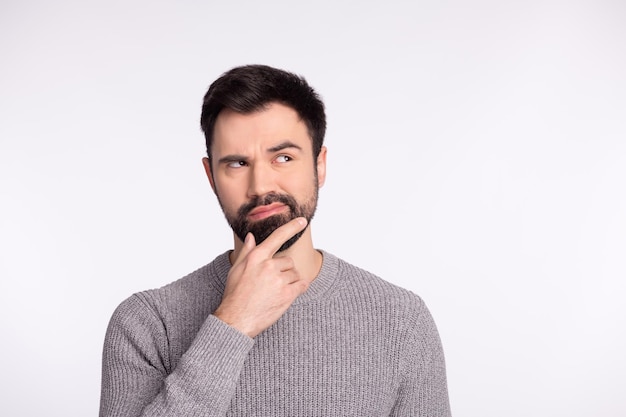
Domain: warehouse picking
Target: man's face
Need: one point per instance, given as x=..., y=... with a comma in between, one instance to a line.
x=263, y=170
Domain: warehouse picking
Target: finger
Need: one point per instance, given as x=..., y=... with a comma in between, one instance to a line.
x=284, y=263
x=249, y=243
x=298, y=287
x=281, y=235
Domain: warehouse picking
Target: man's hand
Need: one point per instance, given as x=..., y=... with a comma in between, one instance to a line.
x=260, y=287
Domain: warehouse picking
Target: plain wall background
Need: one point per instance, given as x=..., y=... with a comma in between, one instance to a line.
x=477, y=156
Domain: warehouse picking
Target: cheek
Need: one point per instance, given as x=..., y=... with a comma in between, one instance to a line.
x=296, y=185
x=300, y=186
x=228, y=196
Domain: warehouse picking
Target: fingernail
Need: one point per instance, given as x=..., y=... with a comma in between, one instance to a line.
x=302, y=221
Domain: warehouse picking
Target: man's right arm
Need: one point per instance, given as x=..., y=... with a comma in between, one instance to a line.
x=135, y=379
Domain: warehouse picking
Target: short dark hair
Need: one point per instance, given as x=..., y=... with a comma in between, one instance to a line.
x=250, y=88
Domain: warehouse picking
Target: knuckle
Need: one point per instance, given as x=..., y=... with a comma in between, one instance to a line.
x=256, y=255
x=287, y=263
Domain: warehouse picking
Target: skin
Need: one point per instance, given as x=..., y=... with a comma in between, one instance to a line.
x=253, y=155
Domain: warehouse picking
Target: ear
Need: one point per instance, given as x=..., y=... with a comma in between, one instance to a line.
x=209, y=173
x=321, y=167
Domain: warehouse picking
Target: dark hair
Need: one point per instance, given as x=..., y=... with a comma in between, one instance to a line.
x=250, y=88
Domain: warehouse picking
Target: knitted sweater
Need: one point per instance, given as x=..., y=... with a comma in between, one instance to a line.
x=351, y=345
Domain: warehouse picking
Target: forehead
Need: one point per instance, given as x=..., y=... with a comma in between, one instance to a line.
x=271, y=125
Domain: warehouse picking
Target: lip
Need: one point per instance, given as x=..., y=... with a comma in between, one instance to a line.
x=262, y=212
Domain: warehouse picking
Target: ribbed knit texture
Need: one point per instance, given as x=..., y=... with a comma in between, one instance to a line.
x=352, y=345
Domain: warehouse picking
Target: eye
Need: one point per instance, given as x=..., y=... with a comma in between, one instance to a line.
x=281, y=159
x=236, y=164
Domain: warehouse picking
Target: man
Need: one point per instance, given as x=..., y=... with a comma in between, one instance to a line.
x=274, y=327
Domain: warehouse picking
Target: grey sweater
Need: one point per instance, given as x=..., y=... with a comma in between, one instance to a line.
x=351, y=345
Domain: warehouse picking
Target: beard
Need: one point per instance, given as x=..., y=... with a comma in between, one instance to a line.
x=261, y=229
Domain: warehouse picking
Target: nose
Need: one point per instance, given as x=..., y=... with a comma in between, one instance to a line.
x=261, y=180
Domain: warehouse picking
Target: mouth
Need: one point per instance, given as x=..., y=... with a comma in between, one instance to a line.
x=263, y=212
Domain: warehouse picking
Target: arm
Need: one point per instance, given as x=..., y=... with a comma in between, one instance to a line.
x=135, y=380
x=424, y=390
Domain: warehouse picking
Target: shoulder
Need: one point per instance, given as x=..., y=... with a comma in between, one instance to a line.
x=192, y=293
x=395, y=305
x=375, y=291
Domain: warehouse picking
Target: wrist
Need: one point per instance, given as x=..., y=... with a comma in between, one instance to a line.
x=236, y=323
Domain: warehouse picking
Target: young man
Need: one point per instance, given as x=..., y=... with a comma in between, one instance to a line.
x=274, y=327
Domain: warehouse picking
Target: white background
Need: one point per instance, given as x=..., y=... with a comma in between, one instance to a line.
x=477, y=156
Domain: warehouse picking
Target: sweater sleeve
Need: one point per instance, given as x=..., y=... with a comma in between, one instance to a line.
x=423, y=391
x=136, y=379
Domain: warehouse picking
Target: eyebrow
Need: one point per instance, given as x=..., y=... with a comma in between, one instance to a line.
x=284, y=145
x=281, y=146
